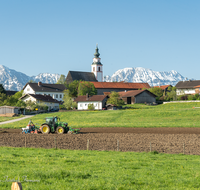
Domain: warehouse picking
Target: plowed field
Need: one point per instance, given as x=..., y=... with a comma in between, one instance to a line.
x=166, y=140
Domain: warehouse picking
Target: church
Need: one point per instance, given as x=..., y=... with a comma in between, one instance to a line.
x=96, y=77
x=96, y=74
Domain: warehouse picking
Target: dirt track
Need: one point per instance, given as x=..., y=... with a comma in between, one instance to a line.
x=168, y=140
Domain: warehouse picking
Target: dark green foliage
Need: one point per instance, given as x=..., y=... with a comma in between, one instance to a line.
x=2, y=90
x=157, y=91
x=73, y=88
x=114, y=99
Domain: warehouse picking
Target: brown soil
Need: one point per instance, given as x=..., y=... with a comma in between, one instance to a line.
x=167, y=140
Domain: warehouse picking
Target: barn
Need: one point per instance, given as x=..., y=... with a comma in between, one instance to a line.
x=137, y=96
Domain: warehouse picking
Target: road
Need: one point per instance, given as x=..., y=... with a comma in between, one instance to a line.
x=14, y=120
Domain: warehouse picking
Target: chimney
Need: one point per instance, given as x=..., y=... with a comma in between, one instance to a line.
x=39, y=84
x=87, y=96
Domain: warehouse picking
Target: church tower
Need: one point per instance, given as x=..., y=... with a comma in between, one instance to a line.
x=97, y=67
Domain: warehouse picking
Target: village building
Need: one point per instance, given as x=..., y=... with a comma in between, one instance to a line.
x=187, y=87
x=95, y=75
x=53, y=90
x=99, y=101
x=42, y=99
x=137, y=96
x=103, y=87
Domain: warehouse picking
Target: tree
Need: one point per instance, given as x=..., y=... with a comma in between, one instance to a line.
x=73, y=88
x=61, y=80
x=2, y=90
x=68, y=101
x=157, y=91
x=171, y=94
x=114, y=99
x=86, y=88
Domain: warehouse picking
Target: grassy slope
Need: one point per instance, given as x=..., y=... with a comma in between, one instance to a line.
x=167, y=115
x=66, y=169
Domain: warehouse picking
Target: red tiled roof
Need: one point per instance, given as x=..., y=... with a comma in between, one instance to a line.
x=91, y=98
x=163, y=87
x=197, y=86
x=132, y=93
x=118, y=85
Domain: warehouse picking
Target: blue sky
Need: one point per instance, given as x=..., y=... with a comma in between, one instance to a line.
x=56, y=36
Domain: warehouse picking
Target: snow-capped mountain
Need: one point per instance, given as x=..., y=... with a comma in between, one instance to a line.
x=13, y=80
x=139, y=74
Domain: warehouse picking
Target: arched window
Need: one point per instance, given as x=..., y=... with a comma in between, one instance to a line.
x=99, y=68
x=93, y=68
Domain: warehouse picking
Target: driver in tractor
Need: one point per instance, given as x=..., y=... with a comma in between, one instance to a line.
x=29, y=126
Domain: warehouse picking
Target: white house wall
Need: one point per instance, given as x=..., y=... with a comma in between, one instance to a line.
x=50, y=105
x=59, y=96
x=185, y=91
x=84, y=105
x=55, y=95
x=28, y=90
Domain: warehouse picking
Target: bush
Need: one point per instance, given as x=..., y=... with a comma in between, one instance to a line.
x=90, y=106
x=191, y=97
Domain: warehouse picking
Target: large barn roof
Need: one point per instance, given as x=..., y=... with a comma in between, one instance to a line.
x=122, y=85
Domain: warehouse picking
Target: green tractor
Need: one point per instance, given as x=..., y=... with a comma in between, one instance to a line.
x=53, y=124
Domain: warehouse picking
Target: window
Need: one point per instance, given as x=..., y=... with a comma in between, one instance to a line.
x=93, y=68
x=99, y=68
x=85, y=104
x=81, y=105
x=56, y=95
x=60, y=95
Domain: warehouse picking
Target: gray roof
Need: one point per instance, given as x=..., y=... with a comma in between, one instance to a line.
x=77, y=75
x=46, y=87
x=45, y=98
x=187, y=84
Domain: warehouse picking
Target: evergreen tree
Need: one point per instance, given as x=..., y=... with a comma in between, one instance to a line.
x=2, y=90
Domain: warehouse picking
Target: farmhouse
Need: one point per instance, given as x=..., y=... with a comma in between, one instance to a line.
x=103, y=87
x=41, y=99
x=99, y=101
x=137, y=96
x=187, y=87
x=53, y=90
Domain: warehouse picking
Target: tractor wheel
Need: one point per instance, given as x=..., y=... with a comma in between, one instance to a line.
x=45, y=129
x=60, y=130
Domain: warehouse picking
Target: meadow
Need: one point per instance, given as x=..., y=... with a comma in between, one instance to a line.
x=137, y=115
x=67, y=169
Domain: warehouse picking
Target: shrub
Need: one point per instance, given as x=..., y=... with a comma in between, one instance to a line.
x=90, y=106
x=191, y=97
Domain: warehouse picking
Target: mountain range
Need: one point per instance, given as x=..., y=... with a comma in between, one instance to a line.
x=139, y=74
x=14, y=80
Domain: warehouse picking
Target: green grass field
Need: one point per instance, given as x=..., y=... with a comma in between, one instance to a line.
x=67, y=169
x=138, y=115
